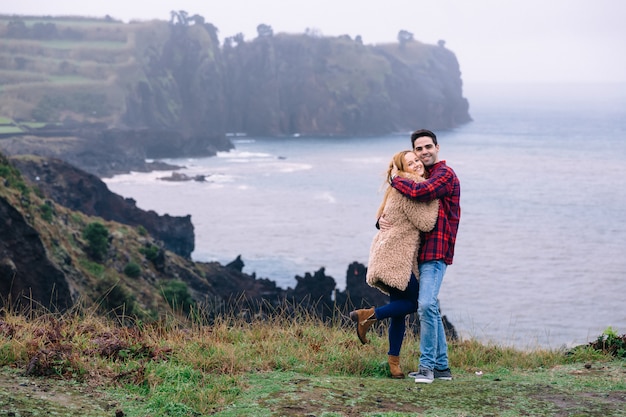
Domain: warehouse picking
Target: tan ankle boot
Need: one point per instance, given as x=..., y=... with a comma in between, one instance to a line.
x=394, y=367
x=364, y=319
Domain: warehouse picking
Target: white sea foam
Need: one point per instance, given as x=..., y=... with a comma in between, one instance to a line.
x=233, y=154
x=289, y=167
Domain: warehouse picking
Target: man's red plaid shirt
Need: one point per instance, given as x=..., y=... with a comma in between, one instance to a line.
x=444, y=185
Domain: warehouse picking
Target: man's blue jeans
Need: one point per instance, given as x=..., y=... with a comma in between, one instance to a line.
x=433, y=345
x=401, y=303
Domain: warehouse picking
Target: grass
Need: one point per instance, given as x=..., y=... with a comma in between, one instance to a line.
x=66, y=44
x=96, y=59
x=279, y=365
x=33, y=125
x=10, y=129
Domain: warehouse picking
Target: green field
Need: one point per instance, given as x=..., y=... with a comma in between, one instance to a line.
x=93, y=55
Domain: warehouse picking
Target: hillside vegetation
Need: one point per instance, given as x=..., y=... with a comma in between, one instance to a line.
x=55, y=258
x=68, y=68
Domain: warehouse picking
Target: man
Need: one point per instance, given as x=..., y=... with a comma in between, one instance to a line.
x=436, y=251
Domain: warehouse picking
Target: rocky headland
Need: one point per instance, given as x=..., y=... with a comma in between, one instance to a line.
x=168, y=89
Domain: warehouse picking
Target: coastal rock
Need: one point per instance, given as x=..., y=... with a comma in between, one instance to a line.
x=178, y=177
x=357, y=293
x=236, y=264
x=107, y=152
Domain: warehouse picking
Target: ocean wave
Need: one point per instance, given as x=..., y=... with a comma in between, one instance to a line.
x=235, y=154
x=293, y=167
x=236, y=141
x=219, y=178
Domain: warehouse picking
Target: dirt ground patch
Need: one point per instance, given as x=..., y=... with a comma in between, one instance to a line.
x=22, y=396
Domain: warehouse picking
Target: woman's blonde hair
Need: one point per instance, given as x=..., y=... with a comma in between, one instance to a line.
x=398, y=164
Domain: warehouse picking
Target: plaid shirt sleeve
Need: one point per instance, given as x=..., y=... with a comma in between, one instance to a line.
x=443, y=185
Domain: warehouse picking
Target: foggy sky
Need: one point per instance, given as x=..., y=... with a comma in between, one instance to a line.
x=495, y=40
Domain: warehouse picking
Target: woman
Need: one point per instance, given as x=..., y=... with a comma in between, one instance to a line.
x=392, y=264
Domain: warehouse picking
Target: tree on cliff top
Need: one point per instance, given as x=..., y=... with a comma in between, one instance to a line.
x=265, y=31
x=404, y=36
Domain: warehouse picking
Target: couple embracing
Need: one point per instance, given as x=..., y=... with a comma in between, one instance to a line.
x=418, y=221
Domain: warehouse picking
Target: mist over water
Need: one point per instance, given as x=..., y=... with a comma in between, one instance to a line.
x=540, y=258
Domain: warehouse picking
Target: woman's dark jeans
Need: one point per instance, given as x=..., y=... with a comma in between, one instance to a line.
x=401, y=304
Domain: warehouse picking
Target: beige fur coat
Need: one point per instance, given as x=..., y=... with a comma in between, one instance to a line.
x=393, y=254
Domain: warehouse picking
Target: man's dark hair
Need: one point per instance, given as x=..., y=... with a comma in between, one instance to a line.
x=422, y=132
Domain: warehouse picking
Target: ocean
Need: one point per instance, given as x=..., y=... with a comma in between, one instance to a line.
x=541, y=252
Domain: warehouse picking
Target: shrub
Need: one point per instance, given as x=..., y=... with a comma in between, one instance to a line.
x=12, y=177
x=116, y=298
x=150, y=252
x=132, y=270
x=97, y=237
x=24, y=189
x=177, y=295
x=47, y=211
x=610, y=342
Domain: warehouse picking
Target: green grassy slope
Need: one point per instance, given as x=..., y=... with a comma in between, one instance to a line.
x=79, y=70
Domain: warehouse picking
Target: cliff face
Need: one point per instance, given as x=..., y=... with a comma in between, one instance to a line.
x=425, y=87
x=286, y=84
x=182, y=84
x=27, y=275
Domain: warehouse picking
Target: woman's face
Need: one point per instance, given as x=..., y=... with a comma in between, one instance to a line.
x=413, y=164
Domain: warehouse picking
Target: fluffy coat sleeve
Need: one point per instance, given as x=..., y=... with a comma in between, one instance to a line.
x=393, y=253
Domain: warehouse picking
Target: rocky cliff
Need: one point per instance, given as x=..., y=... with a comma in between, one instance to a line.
x=288, y=84
x=27, y=275
x=291, y=84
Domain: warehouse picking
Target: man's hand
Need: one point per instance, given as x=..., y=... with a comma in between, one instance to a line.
x=384, y=223
x=393, y=173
